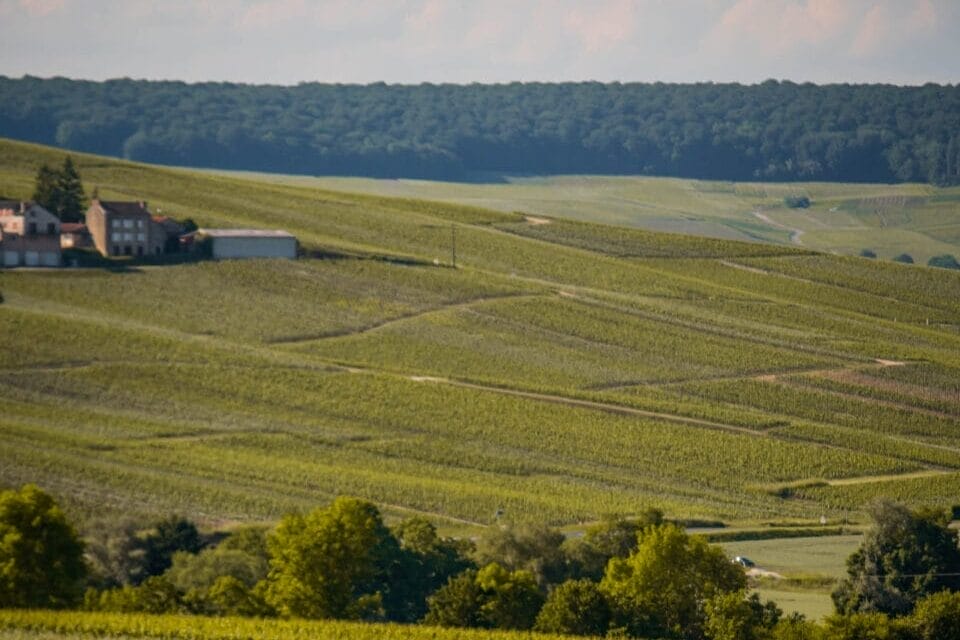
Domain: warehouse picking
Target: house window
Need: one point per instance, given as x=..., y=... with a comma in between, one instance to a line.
x=127, y=250
x=116, y=249
x=116, y=237
x=128, y=223
x=51, y=228
x=141, y=237
x=115, y=223
x=128, y=237
x=139, y=249
x=139, y=224
x=32, y=229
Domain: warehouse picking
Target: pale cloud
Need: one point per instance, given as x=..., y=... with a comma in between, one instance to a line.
x=603, y=25
x=776, y=27
x=888, y=27
x=410, y=41
x=923, y=17
x=41, y=7
x=874, y=32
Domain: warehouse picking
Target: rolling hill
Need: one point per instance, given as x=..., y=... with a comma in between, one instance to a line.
x=919, y=220
x=562, y=370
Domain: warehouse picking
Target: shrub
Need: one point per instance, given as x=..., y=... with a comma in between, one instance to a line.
x=945, y=261
x=797, y=202
x=576, y=607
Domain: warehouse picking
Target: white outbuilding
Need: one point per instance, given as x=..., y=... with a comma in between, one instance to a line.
x=249, y=243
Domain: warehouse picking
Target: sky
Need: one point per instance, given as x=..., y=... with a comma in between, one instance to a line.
x=463, y=41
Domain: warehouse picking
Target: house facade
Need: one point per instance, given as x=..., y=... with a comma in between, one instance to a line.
x=29, y=235
x=120, y=228
x=74, y=235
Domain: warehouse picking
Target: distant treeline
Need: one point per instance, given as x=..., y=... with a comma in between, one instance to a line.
x=771, y=131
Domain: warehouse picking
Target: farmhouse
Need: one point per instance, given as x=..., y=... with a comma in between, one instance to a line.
x=125, y=229
x=249, y=243
x=29, y=235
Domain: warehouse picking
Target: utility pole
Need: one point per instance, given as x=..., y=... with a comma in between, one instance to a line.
x=453, y=245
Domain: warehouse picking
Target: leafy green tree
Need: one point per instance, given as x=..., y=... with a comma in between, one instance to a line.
x=511, y=599
x=492, y=597
x=71, y=200
x=868, y=253
x=661, y=588
x=330, y=563
x=576, y=607
x=115, y=552
x=250, y=540
x=41, y=556
x=937, y=616
x=905, y=258
x=457, y=603
x=945, y=261
x=861, y=626
x=612, y=537
x=156, y=594
x=533, y=548
x=228, y=596
x=796, y=627
x=199, y=571
x=424, y=564
x=169, y=536
x=903, y=557
x=733, y=616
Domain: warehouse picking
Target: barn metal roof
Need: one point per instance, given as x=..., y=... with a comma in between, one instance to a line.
x=244, y=233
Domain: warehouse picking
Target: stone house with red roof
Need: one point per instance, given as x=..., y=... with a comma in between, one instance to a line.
x=121, y=228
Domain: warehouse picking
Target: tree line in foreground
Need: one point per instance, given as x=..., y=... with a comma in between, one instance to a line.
x=642, y=577
x=770, y=131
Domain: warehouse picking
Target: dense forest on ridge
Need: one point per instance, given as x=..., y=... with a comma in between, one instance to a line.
x=771, y=131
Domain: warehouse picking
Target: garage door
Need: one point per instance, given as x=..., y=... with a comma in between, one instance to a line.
x=50, y=259
x=31, y=258
x=10, y=258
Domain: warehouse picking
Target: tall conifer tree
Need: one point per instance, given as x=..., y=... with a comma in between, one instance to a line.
x=46, y=191
x=72, y=199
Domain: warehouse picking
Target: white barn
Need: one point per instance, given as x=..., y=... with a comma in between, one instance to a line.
x=250, y=243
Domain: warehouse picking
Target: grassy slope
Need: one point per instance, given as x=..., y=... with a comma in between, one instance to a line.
x=845, y=218
x=562, y=371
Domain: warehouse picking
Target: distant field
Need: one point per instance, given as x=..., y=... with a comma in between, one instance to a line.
x=890, y=220
x=822, y=559
x=562, y=371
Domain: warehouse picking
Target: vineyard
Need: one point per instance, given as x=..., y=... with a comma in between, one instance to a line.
x=563, y=370
x=23, y=625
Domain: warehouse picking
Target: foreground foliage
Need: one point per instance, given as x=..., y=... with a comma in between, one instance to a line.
x=41, y=555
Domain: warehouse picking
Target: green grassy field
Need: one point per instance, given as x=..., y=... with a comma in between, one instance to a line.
x=561, y=371
x=920, y=220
